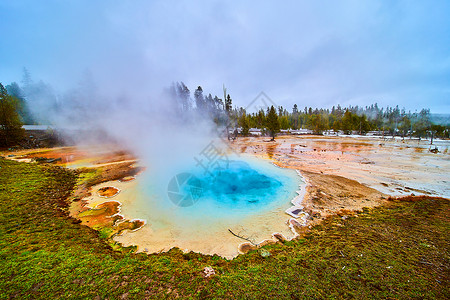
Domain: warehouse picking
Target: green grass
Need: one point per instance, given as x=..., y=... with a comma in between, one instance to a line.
x=399, y=251
x=87, y=176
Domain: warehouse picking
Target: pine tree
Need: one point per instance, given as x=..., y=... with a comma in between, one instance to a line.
x=273, y=124
x=228, y=110
x=294, y=119
x=199, y=99
x=244, y=124
x=228, y=103
x=11, y=131
x=25, y=115
x=184, y=97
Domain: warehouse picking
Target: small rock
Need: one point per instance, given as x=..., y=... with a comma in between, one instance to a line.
x=266, y=242
x=280, y=237
x=209, y=271
x=264, y=253
x=435, y=150
x=246, y=247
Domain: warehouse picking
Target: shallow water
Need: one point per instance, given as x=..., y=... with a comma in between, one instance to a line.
x=248, y=196
x=241, y=188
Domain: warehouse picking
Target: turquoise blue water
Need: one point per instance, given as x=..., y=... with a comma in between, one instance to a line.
x=243, y=187
x=237, y=186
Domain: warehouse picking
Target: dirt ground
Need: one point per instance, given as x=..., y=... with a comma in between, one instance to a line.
x=349, y=173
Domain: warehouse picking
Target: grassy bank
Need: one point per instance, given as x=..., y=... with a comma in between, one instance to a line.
x=398, y=251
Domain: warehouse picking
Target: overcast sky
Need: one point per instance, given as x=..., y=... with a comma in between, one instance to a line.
x=313, y=53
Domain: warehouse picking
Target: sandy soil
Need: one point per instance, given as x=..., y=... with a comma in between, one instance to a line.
x=394, y=167
x=348, y=173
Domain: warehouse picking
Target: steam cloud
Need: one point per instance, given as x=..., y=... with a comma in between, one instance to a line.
x=165, y=137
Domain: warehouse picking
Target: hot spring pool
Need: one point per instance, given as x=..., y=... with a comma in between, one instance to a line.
x=239, y=188
x=194, y=209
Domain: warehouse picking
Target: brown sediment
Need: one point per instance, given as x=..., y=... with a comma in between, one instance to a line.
x=127, y=178
x=392, y=200
x=329, y=194
x=267, y=242
x=128, y=225
x=108, y=191
x=67, y=156
x=246, y=247
x=115, y=156
x=103, y=215
x=106, y=173
x=62, y=155
x=299, y=229
x=279, y=237
x=107, y=215
x=117, y=171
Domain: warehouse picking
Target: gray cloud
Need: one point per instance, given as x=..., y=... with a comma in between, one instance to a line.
x=309, y=53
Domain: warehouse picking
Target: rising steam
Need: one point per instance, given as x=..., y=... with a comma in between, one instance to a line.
x=165, y=129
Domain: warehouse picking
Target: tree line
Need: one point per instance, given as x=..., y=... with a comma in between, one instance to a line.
x=348, y=120
x=15, y=111
x=352, y=119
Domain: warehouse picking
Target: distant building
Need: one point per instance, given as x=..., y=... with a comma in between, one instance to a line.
x=301, y=131
x=255, y=131
x=37, y=127
x=374, y=133
x=330, y=132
